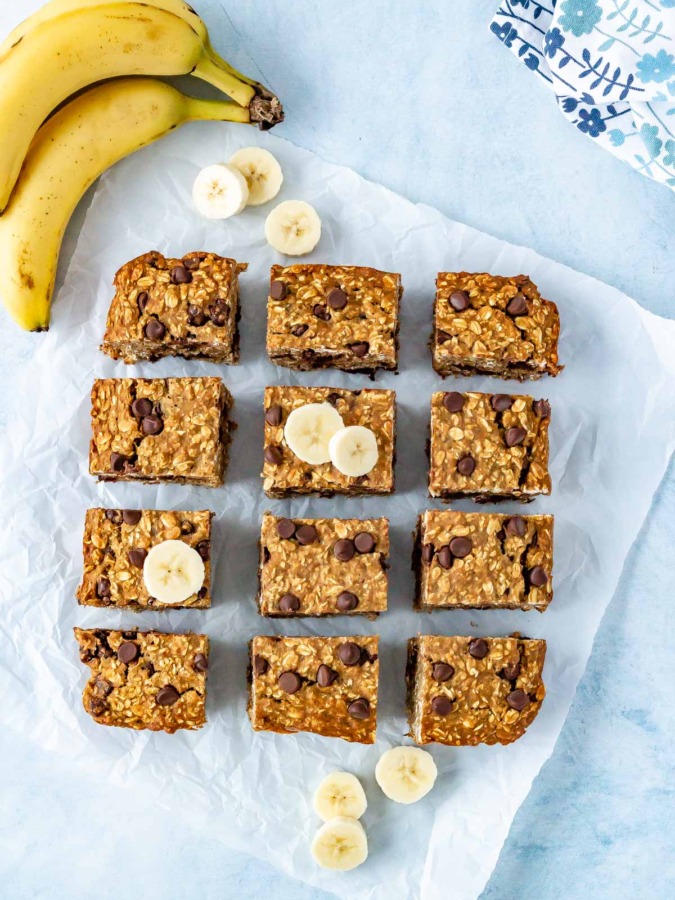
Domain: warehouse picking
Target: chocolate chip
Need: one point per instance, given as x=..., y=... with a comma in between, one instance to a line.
x=219, y=313
x=516, y=525
x=538, y=576
x=196, y=316
x=453, y=401
x=98, y=706
x=514, y=436
x=441, y=671
x=167, y=695
x=137, y=556
x=307, y=534
x=466, y=465
x=511, y=671
x=127, y=651
x=478, y=648
x=517, y=306
x=461, y=547
x=273, y=415
x=325, y=676
x=518, y=700
x=542, y=408
x=152, y=425
x=360, y=349
x=278, y=290
x=118, y=461
x=114, y=516
x=204, y=549
x=442, y=706
x=359, y=709
x=131, y=516
x=290, y=682
x=154, y=330
x=200, y=663
x=344, y=550
x=260, y=665
x=501, y=402
x=333, y=398
x=180, y=275
x=442, y=336
x=141, y=407
x=274, y=455
x=285, y=529
x=427, y=553
x=102, y=588
x=349, y=653
x=299, y=330
x=337, y=299
x=459, y=300
x=364, y=542
x=347, y=601
x=103, y=687
x=192, y=262
x=289, y=603
x=142, y=301
x=444, y=557
x=321, y=312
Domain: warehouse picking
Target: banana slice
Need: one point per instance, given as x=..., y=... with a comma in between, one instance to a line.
x=353, y=450
x=262, y=173
x=220, y=191
x=340, y=843
x=309, y=429
x=293, y=227
x=406, y=774
x=340, y=794
x=173, y=571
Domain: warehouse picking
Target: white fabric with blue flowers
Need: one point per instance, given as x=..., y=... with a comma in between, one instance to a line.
x=611, y=64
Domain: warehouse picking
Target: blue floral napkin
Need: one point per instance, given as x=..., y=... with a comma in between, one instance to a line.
x=611, y=64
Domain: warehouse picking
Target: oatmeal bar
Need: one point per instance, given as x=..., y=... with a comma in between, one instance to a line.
x=466, y=691
x=346, y=317
x=160, y=429
x=323, y=685
x=499, y=326
x=323, y=567
x=488, y=447
x=483, y=561
x=145, y=679
x=175, y=307
x=285, y=474
x=116, y=542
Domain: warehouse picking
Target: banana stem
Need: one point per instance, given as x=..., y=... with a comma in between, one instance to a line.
x=209, y=70
x=216, y=111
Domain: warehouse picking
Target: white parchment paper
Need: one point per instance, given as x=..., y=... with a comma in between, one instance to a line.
x=611, y=436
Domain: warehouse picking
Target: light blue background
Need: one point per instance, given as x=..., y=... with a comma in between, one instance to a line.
x=423, y=99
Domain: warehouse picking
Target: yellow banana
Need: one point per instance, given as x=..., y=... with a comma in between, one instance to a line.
x=91, y=42
x=74, y=146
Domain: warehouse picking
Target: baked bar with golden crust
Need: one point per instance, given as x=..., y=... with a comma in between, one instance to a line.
x=465, y=691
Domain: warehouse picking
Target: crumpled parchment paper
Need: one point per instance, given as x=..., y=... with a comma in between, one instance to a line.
x=613, y=430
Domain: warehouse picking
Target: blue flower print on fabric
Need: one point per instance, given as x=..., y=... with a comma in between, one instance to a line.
x=579, y=16
x=656, y=68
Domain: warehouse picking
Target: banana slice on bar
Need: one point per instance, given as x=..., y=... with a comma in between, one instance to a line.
x=309, y=429
x=262, y=173
x=353, y=450
x=219, y=191
x=340, y=843
x=340, y=794
x=173, y=571
x=406, y=774
x=293, y=227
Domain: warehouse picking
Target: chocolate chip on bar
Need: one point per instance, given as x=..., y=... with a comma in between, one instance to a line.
x=329, y=566
x=323, y=685
x=345, y=317
x=160, y=429
x=175, y=307
x=483, y=561
x=466, y=691
x=145, y=679
x=488, y=447
x=493, y=325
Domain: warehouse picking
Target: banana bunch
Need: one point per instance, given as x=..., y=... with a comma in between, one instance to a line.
x=48, y=160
